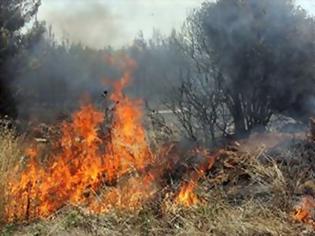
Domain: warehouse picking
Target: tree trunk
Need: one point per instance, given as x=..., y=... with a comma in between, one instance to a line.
x=239, y=119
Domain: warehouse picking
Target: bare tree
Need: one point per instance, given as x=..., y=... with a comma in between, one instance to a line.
x=246, y=63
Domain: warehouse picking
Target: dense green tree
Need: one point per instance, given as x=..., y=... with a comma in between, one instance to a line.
x=17, y=21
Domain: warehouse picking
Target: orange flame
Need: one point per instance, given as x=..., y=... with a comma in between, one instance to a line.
x=186, y=195
x=304, y=212
x=102, y=161
x=84, y=161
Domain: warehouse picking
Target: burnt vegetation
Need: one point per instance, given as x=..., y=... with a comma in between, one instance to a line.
x=203, y=131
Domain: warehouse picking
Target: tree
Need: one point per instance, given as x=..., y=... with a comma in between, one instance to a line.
x=259, y=53
x=14, y=16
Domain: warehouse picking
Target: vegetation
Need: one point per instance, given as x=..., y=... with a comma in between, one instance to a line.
x=11, y=151
x=250, y=59
x=14, y=16
x=233, y=66
x=257, y=198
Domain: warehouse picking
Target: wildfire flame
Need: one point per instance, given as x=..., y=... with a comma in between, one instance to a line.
x=304, y=211
x=186, y=195
x=100, y=161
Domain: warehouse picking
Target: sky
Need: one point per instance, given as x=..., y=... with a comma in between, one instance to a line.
x=99, y=23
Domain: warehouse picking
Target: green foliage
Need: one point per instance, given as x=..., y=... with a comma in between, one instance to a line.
x=72, y=220
x=14, y=17
x=8, y=230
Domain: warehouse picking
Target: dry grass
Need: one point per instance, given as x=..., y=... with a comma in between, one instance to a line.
x=10, y=148
x=10, y=153
x=218, y=217
x=261, y=204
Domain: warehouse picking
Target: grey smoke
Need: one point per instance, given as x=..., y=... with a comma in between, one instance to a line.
x=89, y=22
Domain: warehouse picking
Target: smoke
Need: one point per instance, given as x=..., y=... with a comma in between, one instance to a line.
x=272, y=40
x=59, y=75
x=121, y=19
x=90, y=22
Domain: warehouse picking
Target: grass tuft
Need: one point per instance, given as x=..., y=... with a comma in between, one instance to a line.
x=254, y=197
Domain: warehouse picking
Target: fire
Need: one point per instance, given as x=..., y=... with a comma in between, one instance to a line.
x=186, y=196
x=305, y=211
x=101, y=161
x=82, y=161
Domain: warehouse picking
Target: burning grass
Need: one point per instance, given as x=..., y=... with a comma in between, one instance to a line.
x=99, y=176
x=101, y=162
x=216, y=218
x=254, y=195
x=219, y=215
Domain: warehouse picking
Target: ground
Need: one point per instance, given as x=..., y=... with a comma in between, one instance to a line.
x=252, y=189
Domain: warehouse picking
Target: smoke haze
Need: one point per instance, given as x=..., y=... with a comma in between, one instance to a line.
x=98, y=23
x=59, y=76
x=90, y=22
